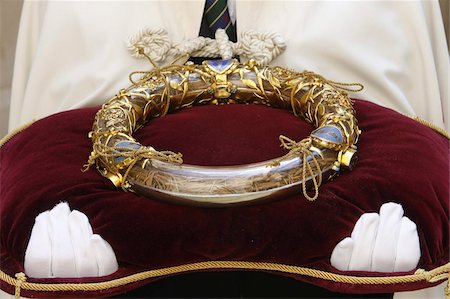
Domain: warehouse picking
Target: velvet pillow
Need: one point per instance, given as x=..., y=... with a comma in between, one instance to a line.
x=400, y=160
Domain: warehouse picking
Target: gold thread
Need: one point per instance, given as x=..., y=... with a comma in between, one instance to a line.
x=420, y=275
x=14, y=132
x=431, y=125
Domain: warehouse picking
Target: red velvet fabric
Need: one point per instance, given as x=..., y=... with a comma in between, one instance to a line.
x=400, y=161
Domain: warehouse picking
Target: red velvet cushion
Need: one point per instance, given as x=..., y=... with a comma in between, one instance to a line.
x=400, y=161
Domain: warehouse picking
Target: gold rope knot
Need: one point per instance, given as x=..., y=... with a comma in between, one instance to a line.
x=302, y=150
x=20, y=279
x=292, y=145
x=433, y=276
x=425, y=274
x=91, y=161
x=145, y=153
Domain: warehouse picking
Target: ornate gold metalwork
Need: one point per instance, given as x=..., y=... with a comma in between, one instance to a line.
x=135, y=167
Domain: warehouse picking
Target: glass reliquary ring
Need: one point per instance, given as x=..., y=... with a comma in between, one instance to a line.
x=161, y=174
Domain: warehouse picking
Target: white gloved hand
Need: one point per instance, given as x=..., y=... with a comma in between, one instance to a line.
x=385, y=242
x=62, y=244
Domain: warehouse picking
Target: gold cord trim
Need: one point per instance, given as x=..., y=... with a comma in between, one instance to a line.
x=13, y=133
x=432, y=126
x=435, y=275
x=447, y=288
x=20, y=279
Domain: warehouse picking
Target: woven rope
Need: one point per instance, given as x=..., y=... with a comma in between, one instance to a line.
x=263, y=47
x=432, y=276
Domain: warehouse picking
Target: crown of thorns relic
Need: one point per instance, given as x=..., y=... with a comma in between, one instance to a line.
x=150, y=172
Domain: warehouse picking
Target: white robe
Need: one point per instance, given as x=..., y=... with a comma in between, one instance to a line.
x=72, y=54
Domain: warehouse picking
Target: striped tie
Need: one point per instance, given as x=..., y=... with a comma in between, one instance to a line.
x=217, y=16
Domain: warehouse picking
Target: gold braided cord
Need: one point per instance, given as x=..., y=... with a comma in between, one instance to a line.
x=435, y=275
x=343, y=86
x=447, y=288
x=432, y=126
x=13, y=133
x=20, y=279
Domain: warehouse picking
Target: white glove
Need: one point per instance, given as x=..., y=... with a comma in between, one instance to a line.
x=385, y=242
x=62, y=244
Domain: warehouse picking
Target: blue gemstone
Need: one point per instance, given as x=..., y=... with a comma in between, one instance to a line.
x=219, y=65
x=329, y=133
x=125, y=145
x=194, y=76
x=175, y=78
